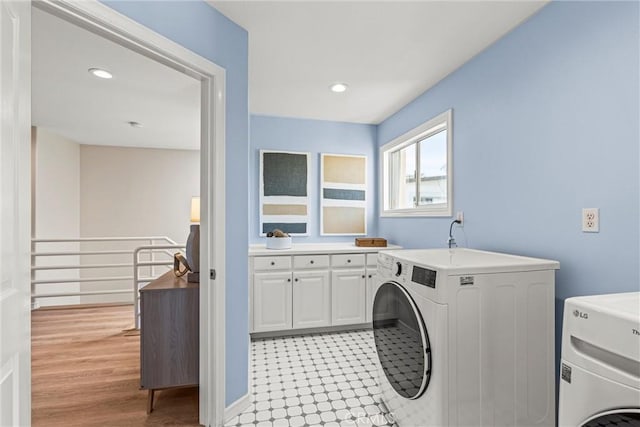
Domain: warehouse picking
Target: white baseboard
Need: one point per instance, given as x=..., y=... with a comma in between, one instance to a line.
x=237, y=407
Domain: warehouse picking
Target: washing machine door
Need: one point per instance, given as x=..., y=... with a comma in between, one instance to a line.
x=617, y=417
x=402, y=341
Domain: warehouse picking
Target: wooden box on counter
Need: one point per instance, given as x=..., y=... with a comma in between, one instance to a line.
x=373, y=242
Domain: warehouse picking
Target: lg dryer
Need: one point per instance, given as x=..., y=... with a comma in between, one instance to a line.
x=466, y=338
x=600, y=368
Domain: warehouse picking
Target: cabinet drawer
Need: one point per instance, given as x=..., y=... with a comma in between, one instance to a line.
x=311, y=261
x=347, y=260
x=372, y=259
x=268, y=263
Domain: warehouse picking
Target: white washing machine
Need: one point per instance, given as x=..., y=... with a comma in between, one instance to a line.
x=600, y=368
x=465, y=338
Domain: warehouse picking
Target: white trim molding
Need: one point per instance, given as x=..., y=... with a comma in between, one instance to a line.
x=237, y=407
x=108, y=23
x=443, y=121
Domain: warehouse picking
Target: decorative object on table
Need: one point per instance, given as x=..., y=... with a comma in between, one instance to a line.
x=371, y=242
x=284, y=192
x=180, y=265
x=193, y=242
x=343, y=183
x=278, y=239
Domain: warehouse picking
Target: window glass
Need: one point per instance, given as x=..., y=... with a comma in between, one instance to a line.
x=403, y=177
x=433, y=169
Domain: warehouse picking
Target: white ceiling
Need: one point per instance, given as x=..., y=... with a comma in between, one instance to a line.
x=388, y=52
x=71, y=102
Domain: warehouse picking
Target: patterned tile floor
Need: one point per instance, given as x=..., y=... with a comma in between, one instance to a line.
x=312, y=380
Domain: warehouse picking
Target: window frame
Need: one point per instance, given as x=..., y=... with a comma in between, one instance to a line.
x=429, y=128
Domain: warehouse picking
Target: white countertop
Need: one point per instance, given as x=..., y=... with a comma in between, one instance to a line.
x=314, y=248
x=459, y=261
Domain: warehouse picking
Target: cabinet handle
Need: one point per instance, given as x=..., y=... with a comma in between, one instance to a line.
x=311, y=262
x=363, y=276
x=288, y=280
x=369, y=276
x=348, y=261
x=296, y=279
x=273, y=263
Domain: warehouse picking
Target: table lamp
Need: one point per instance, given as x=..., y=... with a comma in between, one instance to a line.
x=193, y=242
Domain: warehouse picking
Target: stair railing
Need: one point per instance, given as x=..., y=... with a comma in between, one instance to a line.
x=153, y=253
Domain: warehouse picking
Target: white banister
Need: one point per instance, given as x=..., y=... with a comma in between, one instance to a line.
x=155, y=249
x=139, y=282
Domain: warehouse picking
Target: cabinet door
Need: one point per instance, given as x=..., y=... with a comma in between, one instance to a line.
x=169, y=338
x=372, y=288
x=348, y=297
x=311, y=299
x=271, y=301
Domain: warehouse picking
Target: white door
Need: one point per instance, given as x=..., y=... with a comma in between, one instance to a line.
x=348, y=297
x=271, y=301
x=311, y=299
x=15, y=213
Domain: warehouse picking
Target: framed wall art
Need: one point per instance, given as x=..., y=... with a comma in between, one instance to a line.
x=343, y=194
x=284, y=192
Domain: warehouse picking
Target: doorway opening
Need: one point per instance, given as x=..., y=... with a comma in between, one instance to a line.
x=102, y=202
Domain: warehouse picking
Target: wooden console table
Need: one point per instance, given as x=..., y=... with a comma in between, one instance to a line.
x=169, y=334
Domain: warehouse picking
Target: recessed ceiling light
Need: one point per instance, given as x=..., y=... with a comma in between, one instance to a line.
x=135, y=124
x=98, y=72
x=338, y=87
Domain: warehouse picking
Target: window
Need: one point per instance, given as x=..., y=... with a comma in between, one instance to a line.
x=416, y=171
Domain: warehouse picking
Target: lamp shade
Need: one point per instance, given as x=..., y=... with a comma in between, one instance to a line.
x=195, y=209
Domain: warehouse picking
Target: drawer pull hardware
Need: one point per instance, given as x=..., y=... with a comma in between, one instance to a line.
x=311, y=262
x=296, y=279
x=348, y=260
x=363, y=276
x=273, y=263
x=369, y=276
x=288, y=280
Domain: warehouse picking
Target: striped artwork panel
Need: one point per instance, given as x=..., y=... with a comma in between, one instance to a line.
x=343, y=195
x=284, y=192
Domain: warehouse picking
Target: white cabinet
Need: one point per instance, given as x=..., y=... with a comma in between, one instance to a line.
x=311, y=299
x=348, y=297
x=283, y=298
x=271, y=301
x=347, y=260
x=301, y=262
x=311, y=286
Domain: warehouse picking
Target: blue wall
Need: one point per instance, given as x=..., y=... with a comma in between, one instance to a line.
x=199, y=27
x=315, y=137
x=546, y=122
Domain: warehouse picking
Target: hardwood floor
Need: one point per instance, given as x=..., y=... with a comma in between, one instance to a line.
x=86, y=372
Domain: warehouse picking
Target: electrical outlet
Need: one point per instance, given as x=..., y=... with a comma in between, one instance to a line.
x=460, y=217
x=591, y=220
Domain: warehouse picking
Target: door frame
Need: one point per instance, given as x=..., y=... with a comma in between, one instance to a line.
x=106, y=22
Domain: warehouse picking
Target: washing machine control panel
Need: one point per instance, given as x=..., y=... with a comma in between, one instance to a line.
x=385, y=265
x=400, y=270
x=423, y=276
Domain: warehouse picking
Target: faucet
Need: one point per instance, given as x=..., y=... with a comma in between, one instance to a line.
x=452, y=241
